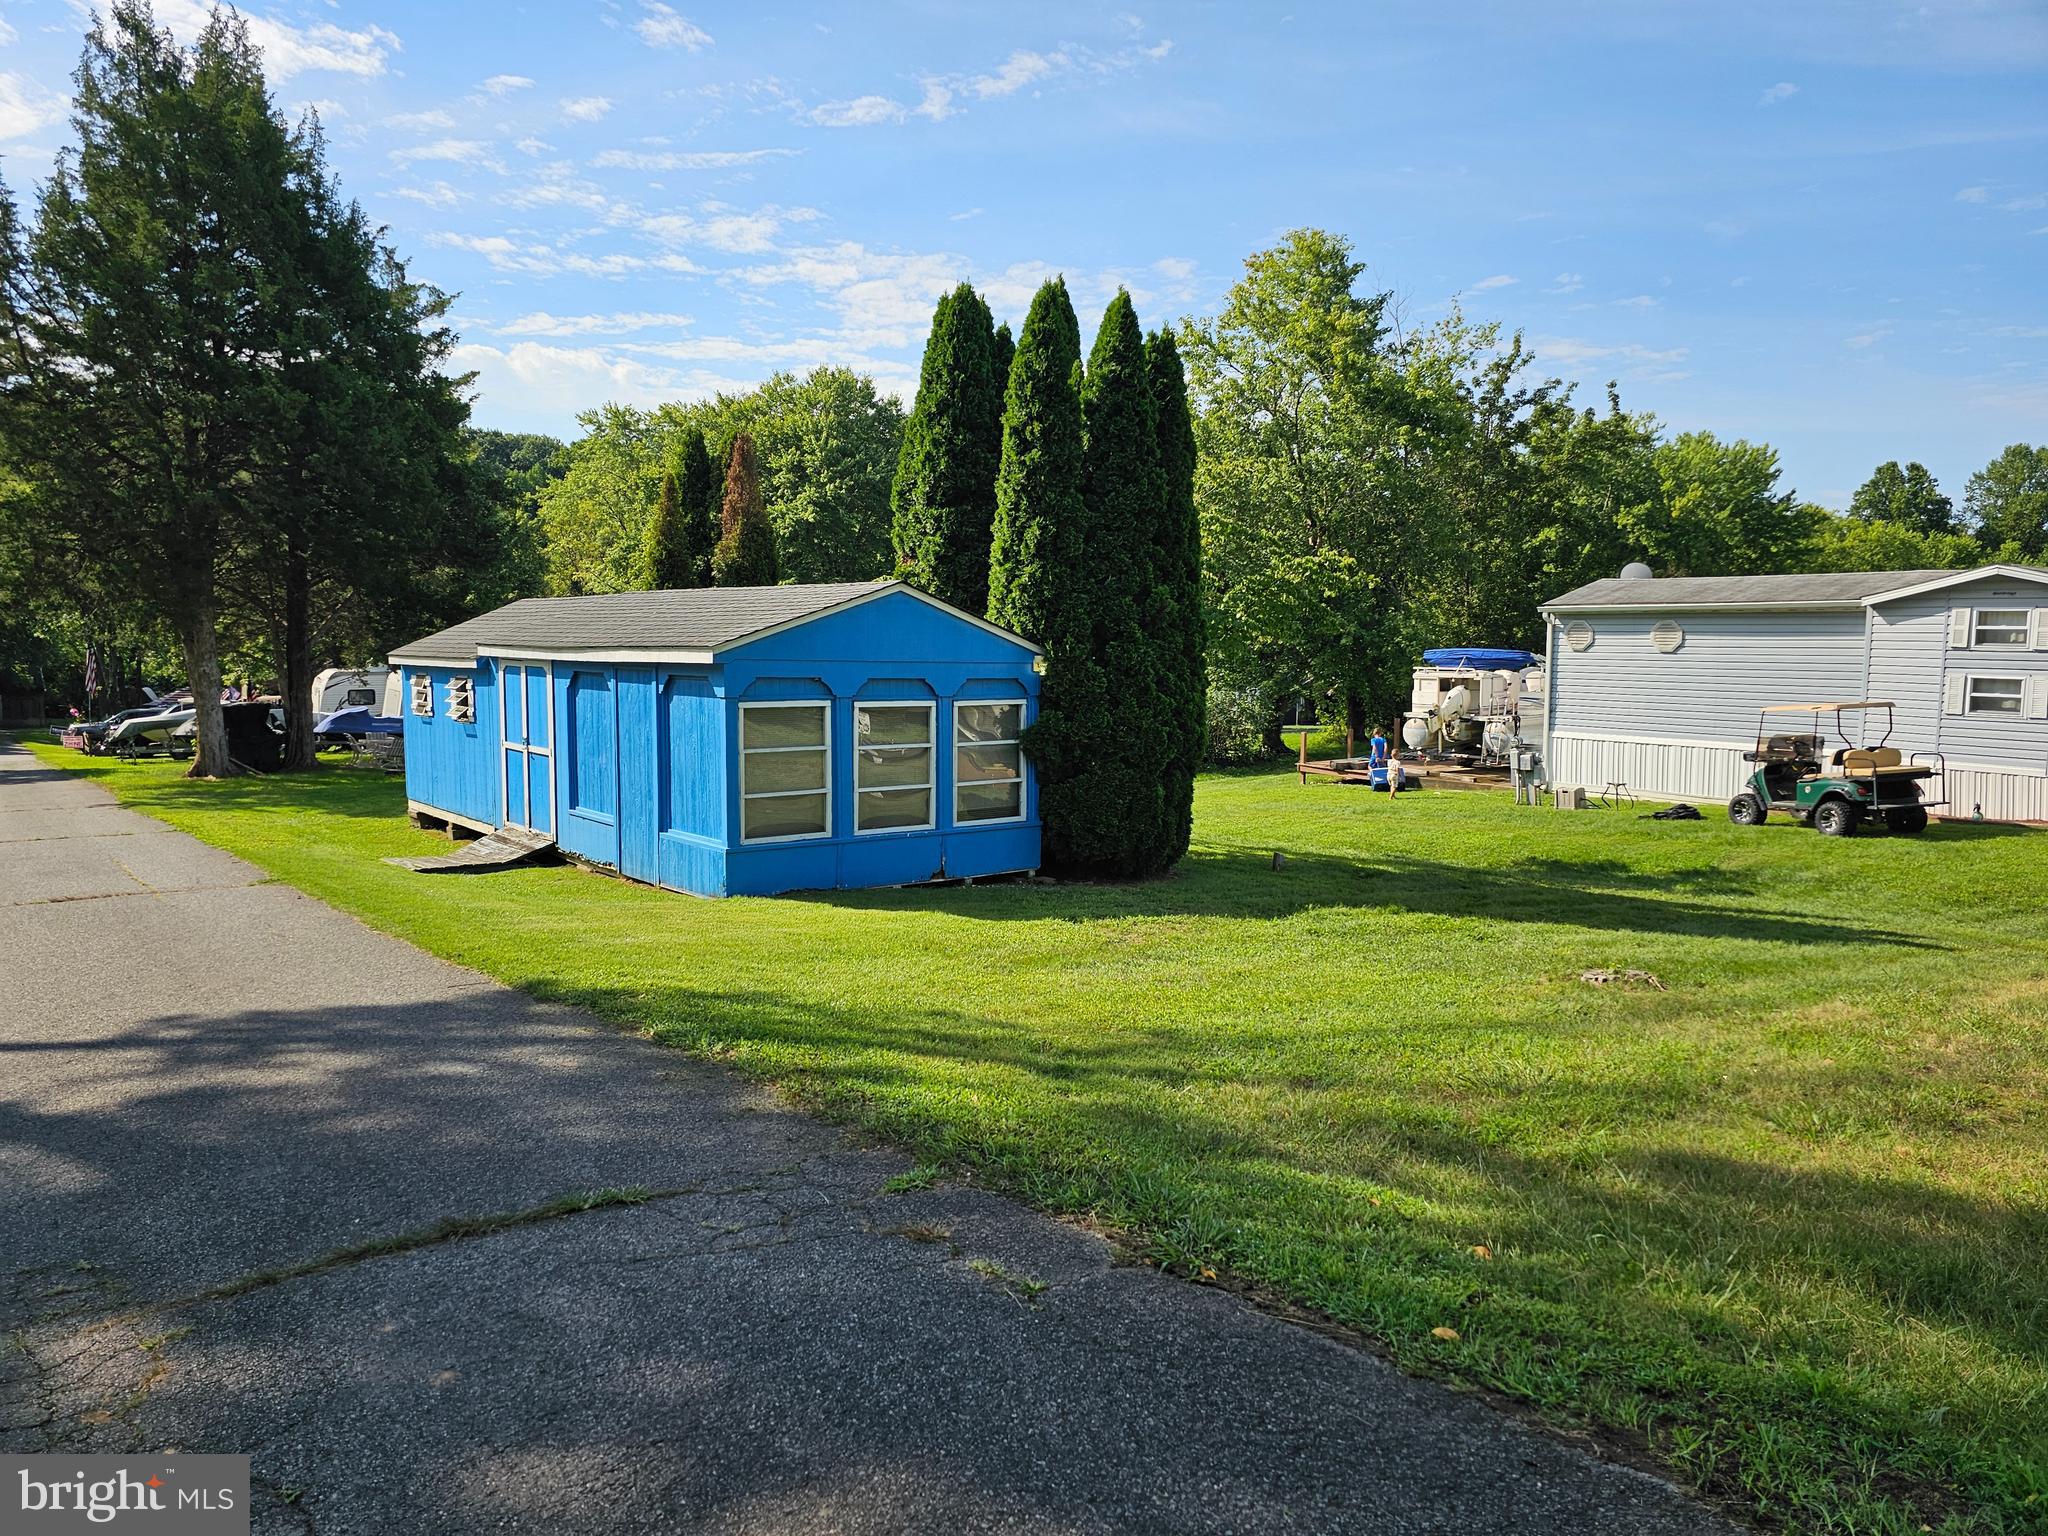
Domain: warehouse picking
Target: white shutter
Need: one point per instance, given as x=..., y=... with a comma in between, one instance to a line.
x=1959, y=628
x=2037, y=697
x=1952, y=693
x=2040, y=636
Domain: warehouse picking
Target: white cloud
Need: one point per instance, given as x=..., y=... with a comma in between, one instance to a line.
x=539, y=259
x=533, y=381
x=454, y=151
x=325, y=108
x=1638, y=301
x=1784, y=90
x=419, y=122
x=8, y=36
x=290, y=50
x=26, y=107
x=1017, y=71
x=1867, y=339
x=437, y=195
x=2032, y=203
x=689, y=160
x=1498, y=280
x=505, y=85
x=859, y=112
x=1974, y=195
x=532, y=146
x=964, y=215
x=585, y=109
x=726, y=229
x=662, y=27
x=619, y=323
x=1573, y=352
x=1566, y=282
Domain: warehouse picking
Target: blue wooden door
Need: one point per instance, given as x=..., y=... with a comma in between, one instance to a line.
x=527, y=711
x=590, y=765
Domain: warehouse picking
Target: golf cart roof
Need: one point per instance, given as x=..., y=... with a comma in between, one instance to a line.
x=1814, y=709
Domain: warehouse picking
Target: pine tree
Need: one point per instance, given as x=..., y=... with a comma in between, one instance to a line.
x=1001, y=353
x=1038, y=583
x=745, y=556
x=700, y=496
x=1178, y=627
x=665, y=562
x=1120, y=790
x=943, y=500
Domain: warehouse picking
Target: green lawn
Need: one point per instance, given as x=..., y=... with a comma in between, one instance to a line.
x=1784, y=1221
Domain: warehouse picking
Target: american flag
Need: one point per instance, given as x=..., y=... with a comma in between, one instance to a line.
x=92, y=671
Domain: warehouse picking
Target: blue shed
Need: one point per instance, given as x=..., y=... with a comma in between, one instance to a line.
x=734, y=740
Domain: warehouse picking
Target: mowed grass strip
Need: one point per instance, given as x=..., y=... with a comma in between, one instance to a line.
x=1784, y=1222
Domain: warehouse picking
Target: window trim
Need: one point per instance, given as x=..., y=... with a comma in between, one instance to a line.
x=931, y=782
x=2018, y=712
x=2025, y=628
x=743, y=752
x=1023, y=768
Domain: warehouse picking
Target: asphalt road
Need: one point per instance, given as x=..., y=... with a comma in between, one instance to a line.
x=209, y=1082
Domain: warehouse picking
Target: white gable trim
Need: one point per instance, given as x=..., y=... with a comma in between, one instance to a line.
x=1680, y=605
x=1957, y=578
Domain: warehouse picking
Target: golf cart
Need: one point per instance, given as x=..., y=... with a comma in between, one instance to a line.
x=1837, y=792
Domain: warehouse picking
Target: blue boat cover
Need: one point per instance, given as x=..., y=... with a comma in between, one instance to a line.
x=1484, y=657
x=358, y=722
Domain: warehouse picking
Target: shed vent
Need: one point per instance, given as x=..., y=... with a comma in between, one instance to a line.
x=1579, y=635
x=1667, y=636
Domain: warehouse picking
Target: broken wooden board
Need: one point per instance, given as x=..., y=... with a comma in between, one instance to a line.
x=495, y=850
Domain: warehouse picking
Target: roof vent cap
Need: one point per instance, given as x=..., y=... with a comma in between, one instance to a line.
x=1635, y=570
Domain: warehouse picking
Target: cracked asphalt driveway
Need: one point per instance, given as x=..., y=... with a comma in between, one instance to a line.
x=272, y=1183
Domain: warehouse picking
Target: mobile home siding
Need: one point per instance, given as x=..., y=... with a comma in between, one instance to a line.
x=1710, y=688
x=1674, y=726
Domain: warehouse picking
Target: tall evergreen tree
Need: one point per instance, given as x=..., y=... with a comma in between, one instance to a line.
x=699, y=490
x=1177, y=626
x=943, y=501
x=745, y=556
x=665, y=562
x=1120, y=789
x=1038, y=585
x=1002, y=352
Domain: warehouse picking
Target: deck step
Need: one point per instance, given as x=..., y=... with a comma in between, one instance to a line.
x=495, y=850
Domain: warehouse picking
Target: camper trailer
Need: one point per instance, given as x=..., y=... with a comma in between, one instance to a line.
x=371, y=688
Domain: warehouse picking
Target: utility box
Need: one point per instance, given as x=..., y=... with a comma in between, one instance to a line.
x=1573, y=799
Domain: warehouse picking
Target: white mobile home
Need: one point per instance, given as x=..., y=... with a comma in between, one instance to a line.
x=1656, y=682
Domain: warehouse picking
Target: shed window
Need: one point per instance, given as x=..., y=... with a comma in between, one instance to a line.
x=462, y=698
x=422, y=694
x=892, y=767
x=1994, y=696
x=988, y=765
x=785, y=782
x=2000, y=626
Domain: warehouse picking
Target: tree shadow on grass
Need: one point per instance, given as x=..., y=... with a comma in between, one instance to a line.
x=1217, y=883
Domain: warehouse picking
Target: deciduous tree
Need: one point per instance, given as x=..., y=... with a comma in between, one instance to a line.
x=2007, y=500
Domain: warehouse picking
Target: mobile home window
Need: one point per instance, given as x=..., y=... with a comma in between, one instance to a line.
x=2000, y=626
x=892, y=767
x=422, y=694
x=785, y=781
x=988, y=765
x=1995, y=696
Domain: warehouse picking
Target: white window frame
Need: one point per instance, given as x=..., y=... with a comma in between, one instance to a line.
x=740, y=746
x=931, y=779
x=2025, y=617
x=423, y=695
x=1023, y=769
x=2017, y=712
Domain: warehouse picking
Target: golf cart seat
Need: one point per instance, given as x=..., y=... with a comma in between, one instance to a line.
x=1875, y=761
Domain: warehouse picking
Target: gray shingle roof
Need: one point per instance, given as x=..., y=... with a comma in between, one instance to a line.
x=700, y=620
x=1717, y=591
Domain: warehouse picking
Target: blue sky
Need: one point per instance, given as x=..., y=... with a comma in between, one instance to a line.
x=1819, y=223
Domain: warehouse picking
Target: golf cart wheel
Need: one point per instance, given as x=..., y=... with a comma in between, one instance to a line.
x=1745, y=810
x=1835, y=818
x=1907, y=821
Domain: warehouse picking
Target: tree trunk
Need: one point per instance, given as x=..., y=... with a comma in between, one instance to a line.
x=1354, y=714
x=298, y=657
x=202, y=676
